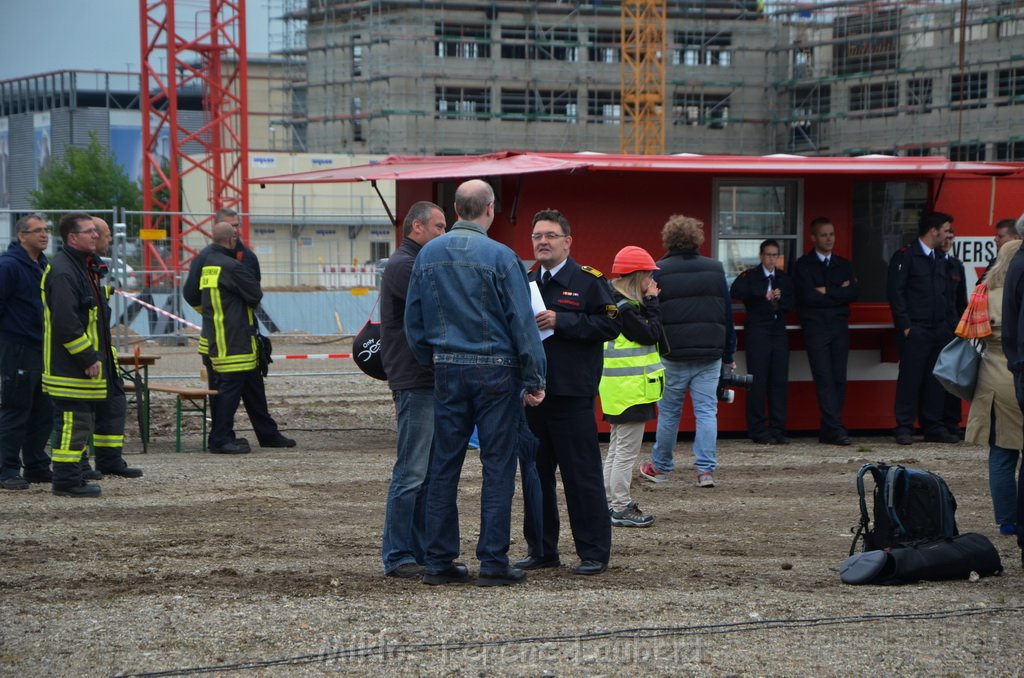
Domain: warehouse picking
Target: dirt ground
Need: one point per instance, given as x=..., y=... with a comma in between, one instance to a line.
x=269, y=564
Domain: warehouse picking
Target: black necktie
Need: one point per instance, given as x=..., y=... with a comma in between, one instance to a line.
x=826, y=261
x=546, y=278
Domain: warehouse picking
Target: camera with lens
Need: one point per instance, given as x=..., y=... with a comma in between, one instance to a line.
x=728, y=379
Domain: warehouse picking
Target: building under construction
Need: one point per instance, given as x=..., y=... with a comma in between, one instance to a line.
x=938, y=77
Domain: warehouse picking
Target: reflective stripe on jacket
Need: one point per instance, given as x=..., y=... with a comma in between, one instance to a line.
x=229, y=295
x=633, y=375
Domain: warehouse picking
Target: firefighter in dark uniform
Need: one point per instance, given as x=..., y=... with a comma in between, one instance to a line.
x=108, y=434
x=767, y=294
x=917, y=288
x=825, y=287
x=228, y=295
x=956, y=303
x=78, y=367
x=583, y=317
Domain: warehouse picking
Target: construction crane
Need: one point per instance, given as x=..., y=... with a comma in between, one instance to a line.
x=643, y=27
x=186, y=57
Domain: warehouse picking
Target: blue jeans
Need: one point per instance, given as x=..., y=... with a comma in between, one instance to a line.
x=490, y=397
x=404, y=517
x=1002, y=482
x=700, y=377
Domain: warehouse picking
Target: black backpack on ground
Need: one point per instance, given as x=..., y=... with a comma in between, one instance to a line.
x=910, y=506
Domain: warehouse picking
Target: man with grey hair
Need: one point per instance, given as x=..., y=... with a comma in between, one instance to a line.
x=1013, y=349
x=412, y=389
x=468, y=314
x=26, y=413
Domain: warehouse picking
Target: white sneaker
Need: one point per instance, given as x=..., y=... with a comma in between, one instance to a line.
x=705, y=479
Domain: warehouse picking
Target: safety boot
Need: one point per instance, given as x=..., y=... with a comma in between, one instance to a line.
x=68, y=481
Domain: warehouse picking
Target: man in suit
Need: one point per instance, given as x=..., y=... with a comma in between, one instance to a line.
x=918, y=288
x=825, y=288
x=767, y=294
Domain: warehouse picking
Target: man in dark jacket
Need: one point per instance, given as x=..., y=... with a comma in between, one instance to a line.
x=580, y=313
x=956, y=304
x=918, y=287
x=228, y=294
x=825, y=288
x=767, y=294
x=412, y=389
x=696, y=313
x=26, y=415
x=1013, y=349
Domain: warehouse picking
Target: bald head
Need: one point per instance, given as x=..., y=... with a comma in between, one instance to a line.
x=224, y=234
x=103, y=243
x=474, y=201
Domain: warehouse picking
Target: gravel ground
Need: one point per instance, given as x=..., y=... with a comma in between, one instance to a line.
x=269, y=564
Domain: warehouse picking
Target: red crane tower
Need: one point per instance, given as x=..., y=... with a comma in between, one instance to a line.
x=203, y=53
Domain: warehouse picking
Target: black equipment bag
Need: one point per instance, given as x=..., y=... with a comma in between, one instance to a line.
x=366, y=351
x=936, y=560
x=910, y=506
x=264, y=353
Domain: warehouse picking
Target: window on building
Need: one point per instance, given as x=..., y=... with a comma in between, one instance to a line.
x=1011, y=22
x=552, y=105
x=604, y=107
x=866, y=43
x=462, y=103
x=748, y=212
x=923, y=150
x=357, y=119
x=513, y=104
x=875, y=100
x=975, y=29
x=462, y=41
x=810, y=107
x=968, y=90
x=1010, y=150
x=357, y=59
x=605, y=46
x=700, y=109
x=967, y=150
x=1010, y=87
x=884, y=219
x=700, y=48
x=513, y=42
x=379, y=250
x=540, y=43
x=919, y=95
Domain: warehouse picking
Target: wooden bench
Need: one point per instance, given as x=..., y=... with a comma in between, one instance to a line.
x=194, y=399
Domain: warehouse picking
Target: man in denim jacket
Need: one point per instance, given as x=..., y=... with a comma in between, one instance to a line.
x=468, y=314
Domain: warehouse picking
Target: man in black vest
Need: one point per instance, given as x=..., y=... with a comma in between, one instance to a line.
x=918, y=288
x=582, y=316
x=767, y=293
x=696, y=312
x=825, y=288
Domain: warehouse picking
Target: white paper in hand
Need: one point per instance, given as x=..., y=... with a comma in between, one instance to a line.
x=537, y=301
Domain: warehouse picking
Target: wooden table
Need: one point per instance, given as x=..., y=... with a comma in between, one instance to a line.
x=130, y=367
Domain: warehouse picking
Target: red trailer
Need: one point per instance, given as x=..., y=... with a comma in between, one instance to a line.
x=617, y=200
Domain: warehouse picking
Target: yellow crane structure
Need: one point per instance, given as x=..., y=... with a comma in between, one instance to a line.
x=643, y=27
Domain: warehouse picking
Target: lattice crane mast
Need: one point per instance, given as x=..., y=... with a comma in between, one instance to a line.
x=643, y=27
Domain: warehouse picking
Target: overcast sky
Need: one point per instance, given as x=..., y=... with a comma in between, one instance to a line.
x=37, y=36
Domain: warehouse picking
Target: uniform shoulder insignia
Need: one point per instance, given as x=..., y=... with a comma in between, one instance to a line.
x=592, y=271
x=611, y=310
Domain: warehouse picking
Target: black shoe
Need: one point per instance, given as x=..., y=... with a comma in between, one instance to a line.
x=762, y=440
x=89, y=473
x=841, y=441
x=43, y=476
x=14, y=483
x=406, y=571
x=589, y=567
x=83, y=490
x=535, y=563
x=903, y=438
x=456, y=573
x=511, y=575
x=234, y=447
x=125, y=471
x=942, y=437
x=780, y=440
x=280, y=441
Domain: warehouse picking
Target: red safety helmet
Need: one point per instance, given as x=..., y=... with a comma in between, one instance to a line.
x=632, y=258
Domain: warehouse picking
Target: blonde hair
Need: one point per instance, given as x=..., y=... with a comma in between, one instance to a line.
x=997, y=274
x=631, y=285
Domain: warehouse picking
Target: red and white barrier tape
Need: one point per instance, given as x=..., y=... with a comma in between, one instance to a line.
x=311, y=356
x=159, y=310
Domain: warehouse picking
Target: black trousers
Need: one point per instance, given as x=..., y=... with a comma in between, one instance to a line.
x=234, y=388
x=26, y=413
x=918, y=394
x=108, y=434
x=567, y=431
x=768, y=361
x=828, y=352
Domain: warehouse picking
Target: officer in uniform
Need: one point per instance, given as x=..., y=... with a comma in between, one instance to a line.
x=767, y=294
x=78, y=370
x=825, y=288
x=108, y=437
x=956, y=304
x=582, y=316
x=228, y=294
x=917, y=288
